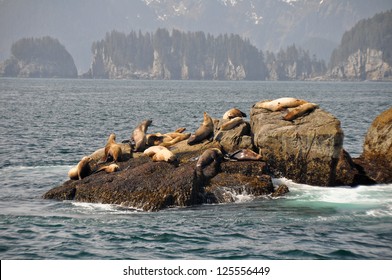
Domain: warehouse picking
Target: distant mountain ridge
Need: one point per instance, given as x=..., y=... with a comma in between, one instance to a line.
x=270, y=25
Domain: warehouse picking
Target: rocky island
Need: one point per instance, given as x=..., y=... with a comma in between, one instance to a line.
x=232, y=156
x=39, y=58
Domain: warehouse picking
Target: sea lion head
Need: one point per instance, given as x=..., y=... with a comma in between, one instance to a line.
x=145, y=124
x=112, y=137
x=232, y=113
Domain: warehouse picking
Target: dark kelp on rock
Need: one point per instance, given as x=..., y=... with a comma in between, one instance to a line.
x=152, y=186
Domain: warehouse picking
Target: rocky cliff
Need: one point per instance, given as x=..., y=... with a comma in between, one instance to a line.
x=363, y=65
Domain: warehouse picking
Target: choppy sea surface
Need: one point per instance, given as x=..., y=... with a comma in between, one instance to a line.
x=47, y=125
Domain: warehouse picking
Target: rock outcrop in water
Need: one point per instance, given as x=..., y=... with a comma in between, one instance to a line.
x=377, y=149
x=308, y=150
x=39, y=58
x=151, y=186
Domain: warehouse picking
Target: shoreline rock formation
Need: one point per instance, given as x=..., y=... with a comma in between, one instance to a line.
x=307, y=149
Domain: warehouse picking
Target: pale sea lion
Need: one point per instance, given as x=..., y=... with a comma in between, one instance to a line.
x=81, y=170
x=205, y=131
x=139, y=135
x=112, y=149
x=232, y=113
x=300, y=111
x=160, y=153
x=232, y=123
x=244, y=155
x=109, y=168
x=280, y=103
x=153, y=150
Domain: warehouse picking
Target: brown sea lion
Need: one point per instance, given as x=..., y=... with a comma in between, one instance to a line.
x=244, y=155
x=139, y=135
x=232, y=113
x=205, y=131
x=300, y=111
x=280, y=104
x=109, y=168
x=154, y=139
x=211, y=157
x=180, y=130
x=174, y=138
x=81, y=170
x=112, y=149
x=167, y=139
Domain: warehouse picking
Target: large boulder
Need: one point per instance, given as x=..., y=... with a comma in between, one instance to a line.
x=376, y=158
x=307, y=150
x=236, y=138
x=152, y=186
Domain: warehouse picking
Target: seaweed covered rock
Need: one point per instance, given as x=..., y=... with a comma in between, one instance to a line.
x=151, y=186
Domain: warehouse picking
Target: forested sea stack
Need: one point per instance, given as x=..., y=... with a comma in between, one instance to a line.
x=39, y=58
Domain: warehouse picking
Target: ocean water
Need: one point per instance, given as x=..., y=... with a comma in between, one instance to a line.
x=48, y=125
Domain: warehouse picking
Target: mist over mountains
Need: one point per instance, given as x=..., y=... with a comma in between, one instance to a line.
x=317, y=25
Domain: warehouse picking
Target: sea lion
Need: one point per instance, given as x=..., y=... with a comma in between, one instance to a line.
x=300, y=111
x=210, y=157
x=232, y=113
x=167, y=139
x=227, y=125
x=244, y=155
x=81, y=170
x=180, y=130
x=109, y=168
x=280, y=103
x=153, y=150
x=139, y=135
x=154, y=139
x=174, y=138
x=112, y=149
x=205, y=131
x=160, y=153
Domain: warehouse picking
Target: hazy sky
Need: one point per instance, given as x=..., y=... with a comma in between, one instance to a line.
x=269, y=24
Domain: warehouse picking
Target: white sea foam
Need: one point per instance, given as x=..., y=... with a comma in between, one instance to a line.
x=96, y=208
x=376, y=200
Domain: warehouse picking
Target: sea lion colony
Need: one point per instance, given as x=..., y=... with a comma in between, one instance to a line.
x=157, y=145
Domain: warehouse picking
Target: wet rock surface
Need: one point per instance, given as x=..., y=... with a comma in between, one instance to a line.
x=152, y=186
x=376, y=159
